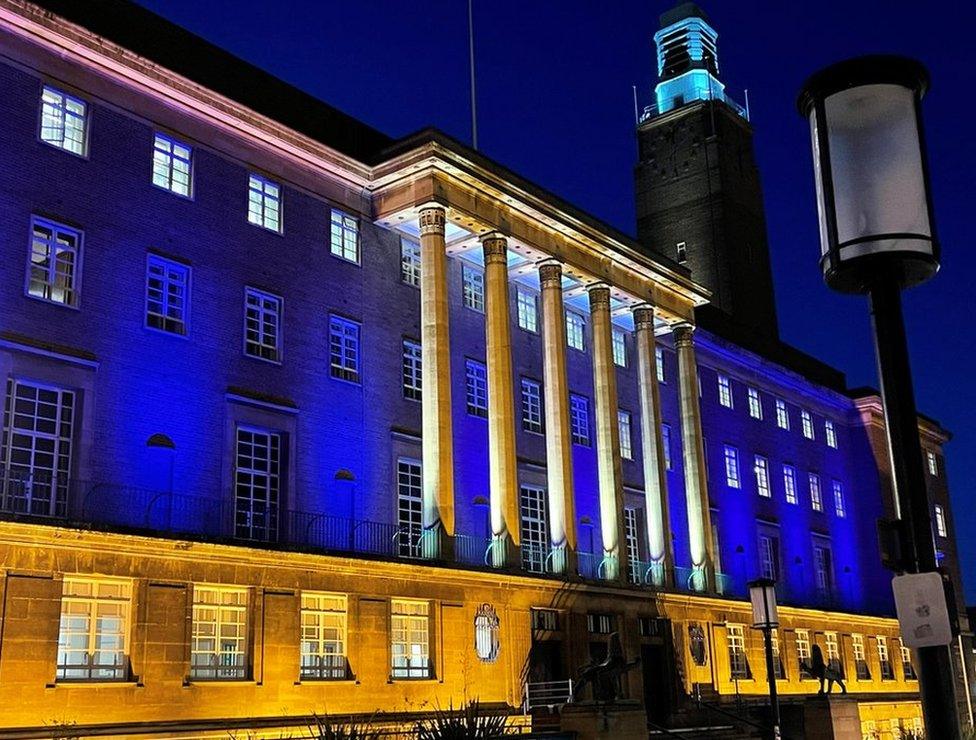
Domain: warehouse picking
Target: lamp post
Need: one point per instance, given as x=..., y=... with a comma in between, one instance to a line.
x=877, y=236
x=762, y=594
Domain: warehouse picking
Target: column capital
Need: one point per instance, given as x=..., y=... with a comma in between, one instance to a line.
x=683, y=333
x=644, y=316
x=495, y=245
x=551, y=273
x=432, y=219
x=599, y=296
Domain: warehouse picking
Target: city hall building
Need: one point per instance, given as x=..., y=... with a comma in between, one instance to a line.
x=299, y=419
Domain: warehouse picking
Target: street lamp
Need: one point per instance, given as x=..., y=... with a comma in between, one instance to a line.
x=877, y=236
x=762, y=594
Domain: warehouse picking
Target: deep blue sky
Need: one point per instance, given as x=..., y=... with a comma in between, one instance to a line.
x=555, y=104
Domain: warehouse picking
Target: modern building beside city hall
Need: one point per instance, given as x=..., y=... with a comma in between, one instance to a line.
x=300, y=419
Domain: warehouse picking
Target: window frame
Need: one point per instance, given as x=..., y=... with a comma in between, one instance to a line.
x=840, y=503
x=410, y=628
x=725, y=397
x=733, y=477
x=575, y=330
x=410, y=270
x=830, y=434
x=94, y=621
x=782, y=415
x=187, y=270
x=755, y=403
x=86, y=119
x=279, y=347
x=341, y=371
x=523, y=312
x=278, y=199
x=473, y=288
x=941, y=525
x=331, y=666
x=245, y=639
x=666, y=446
x=625, y=421
x=579, y=420
x=738, y=659
x=78, y=250
x=791, y=494
x=339, y=250
x=761, y=473
x=411, y=370
x=806, y=424
x=528, y=425
x=816, y=491
x=170, y=168
x=475, y=387
x=618, y=343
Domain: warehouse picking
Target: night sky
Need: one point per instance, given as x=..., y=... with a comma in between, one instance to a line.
x=555, y=104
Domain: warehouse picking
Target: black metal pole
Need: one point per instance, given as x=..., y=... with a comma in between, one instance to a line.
x=936, y=680
x=771, y=677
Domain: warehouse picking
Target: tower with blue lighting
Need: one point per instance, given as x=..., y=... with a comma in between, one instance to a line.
x=699, y=200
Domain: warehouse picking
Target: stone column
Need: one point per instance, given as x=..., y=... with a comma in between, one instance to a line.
x=652, y=448
x=502, y=471
x=693, y=451
x=614, y=564
x=438, y=443
x=559, y=458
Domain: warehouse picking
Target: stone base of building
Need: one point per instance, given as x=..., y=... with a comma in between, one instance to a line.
x=592, y=723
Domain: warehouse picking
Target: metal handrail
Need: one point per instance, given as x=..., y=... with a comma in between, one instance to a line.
x=715, y=708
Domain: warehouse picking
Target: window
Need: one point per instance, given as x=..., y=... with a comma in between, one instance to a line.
x=476, y=388
x=262, y=325
x=579, y=419
x=410, y=262
x=666, y=444
x=264, y=203
x=344, y=236
x=807, y=422
x=659, y=367
x=782, y=415
x=574, y=330
x=906, y=662
x=344, y=349
x=830, y=433
x=884, y=659
x=526, y=305
x=833, y=651
x=738, y=665
x=761, y=469
x=779, y=669
x=473, y=288
x=323, y=618
x=732, y=467
x=37, y=437
x=218, y=646
x=410, y=502
x=823, y=566
x=172, y=165
x=933, y=463
x=64, y=121
x=816, y=499
x=412, y=370
x=632, y=539
x=531, y=406
x=789, y=483
x=167, y=295
x=600, y=624
x=940, y=521
x=803, y=652
x=410, y=638
x=725, y=391
x=257, y=483
x=93, y=634
x=755, y=405
x=682, y=252
x=619, y=338
x=54, y=265
x=626, y=441
x=534, y=515
x=545, y=619
x=862, y=671
x=840, y=508
x=769, y=556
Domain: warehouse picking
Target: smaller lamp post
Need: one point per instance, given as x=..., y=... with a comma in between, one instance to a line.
x=762, y=594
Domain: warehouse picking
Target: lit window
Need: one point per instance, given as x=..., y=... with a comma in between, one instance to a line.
x=410, y=262
x=262, y=325
x=682, y=252
x=579, y=419
x=725, y=391
x=782, y=415
x=626, y=443
x=884, y=658
x=218, y=645
x=410, y=639
x=412, y=370
x=546, y=620
x=410, y=523
x=574, y=330
x=659, y=367
x=840, y=508
x=666, y=444
x=779, y=668
x=906, y=661
x=738, y=665
x=732, y=467
x=940, y=521
x=803, y=652
x=619, y=347
x=531, y=406
x=344, y=236
x=344, y=349
x=172, y=165
x=823, y=568
x=54, y=263
x=761, y=469
x=769, y=556
x=64, y=121
x=257, y=483
x=830, y=433
x=833, y=651
x=473, y=288
x=264, y=203
x=860, y=658
x=486, y=634
x=93, y=635
x=816, y=499
x=755, y=406
x=789, y=483
x=526, y=305
x=323, y=618
x=167, y=295
x=933, y=462
x=534, y=528
x=601, y=624
x=476, y=388
x=807, y=422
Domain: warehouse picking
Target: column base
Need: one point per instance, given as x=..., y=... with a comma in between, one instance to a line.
x=561, y=561
x=435, y=544
x=502, y=552
x=609, y=568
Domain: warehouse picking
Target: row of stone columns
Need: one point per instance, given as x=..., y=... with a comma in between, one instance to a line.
x=438, y=469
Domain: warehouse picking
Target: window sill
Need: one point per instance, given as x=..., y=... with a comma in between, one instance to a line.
x=311, y=681
x=64, y=683
x=49, y=302
x=429, y=679
x=190, y=682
